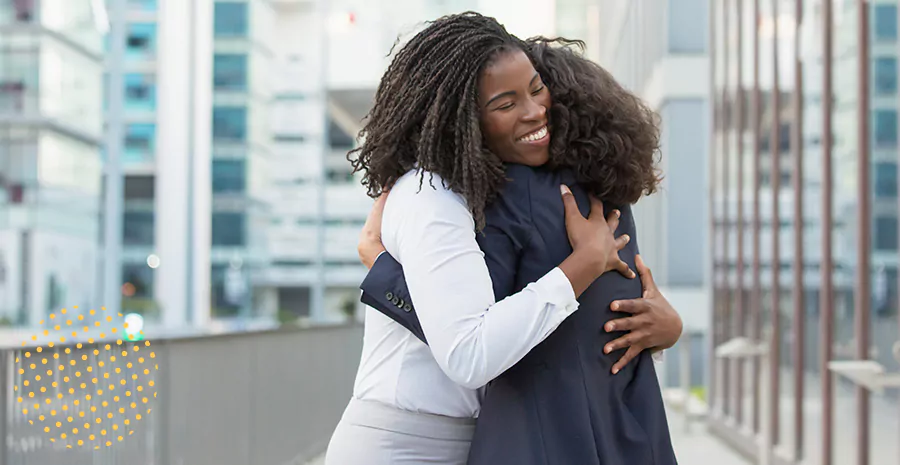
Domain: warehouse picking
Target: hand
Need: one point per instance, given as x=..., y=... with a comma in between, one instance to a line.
x=370, y=246
x=594, y=236
x=654, y=324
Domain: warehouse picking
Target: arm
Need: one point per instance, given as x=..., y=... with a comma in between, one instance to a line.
x=473, y=338
x=384, y=289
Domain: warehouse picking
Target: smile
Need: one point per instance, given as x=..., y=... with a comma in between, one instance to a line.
x=534, y=136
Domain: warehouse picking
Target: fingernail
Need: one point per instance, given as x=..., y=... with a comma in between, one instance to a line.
x=610, y=327
x=607, y=349
x=618, y=214
x=564, y=189
x=614, y=306
x=627, y=238
x=615, y=371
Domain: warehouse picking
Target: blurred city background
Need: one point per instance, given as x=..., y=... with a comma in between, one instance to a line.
x=184, y=161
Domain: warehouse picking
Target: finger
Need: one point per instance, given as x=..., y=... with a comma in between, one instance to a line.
x=627, y=340
x=633, y=306
x=622, y=241
x=570, y=205
x=623, y=268
x=625, y=324
x=597, y=213
x=613, y=220
x=646, y=275
x=630, y=354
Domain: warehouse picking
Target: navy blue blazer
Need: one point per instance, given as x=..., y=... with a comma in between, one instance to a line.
x=560, y=404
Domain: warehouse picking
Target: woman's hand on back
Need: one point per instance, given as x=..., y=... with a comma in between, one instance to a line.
x=595, y=250
x=370, y=246
x=653, y=323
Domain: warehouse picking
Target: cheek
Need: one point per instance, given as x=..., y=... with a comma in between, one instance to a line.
x=495, y=130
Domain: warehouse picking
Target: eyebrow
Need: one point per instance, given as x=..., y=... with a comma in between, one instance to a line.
x=509, y=92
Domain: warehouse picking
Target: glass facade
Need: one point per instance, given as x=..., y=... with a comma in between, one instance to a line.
x=825, y=287
x=229, y=176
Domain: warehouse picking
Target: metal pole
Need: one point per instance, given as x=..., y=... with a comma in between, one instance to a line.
x=738, y=322
x=774, y=360
x=713, y=153
x=755, y=297
x=799, y=289
x=826, y=292
x=863, y=261
x=112, y=236
x=726, y=220
x=317, y=309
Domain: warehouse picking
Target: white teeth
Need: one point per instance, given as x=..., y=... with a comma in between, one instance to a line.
x=535, y=136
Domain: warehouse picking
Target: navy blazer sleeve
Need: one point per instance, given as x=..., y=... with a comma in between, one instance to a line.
x=384, y=289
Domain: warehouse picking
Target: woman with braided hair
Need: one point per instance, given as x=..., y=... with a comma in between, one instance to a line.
x=490, y=257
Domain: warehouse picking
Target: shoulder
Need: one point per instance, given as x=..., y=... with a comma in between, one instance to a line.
x=419, y=188
x=420, y=198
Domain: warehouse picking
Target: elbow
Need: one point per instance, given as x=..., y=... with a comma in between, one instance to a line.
x=467, y=380
x=467, y=372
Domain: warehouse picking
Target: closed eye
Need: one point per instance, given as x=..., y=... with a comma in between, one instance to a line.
x=538, y=90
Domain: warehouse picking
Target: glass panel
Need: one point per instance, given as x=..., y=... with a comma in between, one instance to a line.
x=885, y=75
x=229, y=176
x=884, y=128
x=230, y=72
x=140, y=43
x=140, y=142
x=229, y=229
x=140, y=92
x=884, y=22
x=230, y=123
x=138, y=228
x=230, y=19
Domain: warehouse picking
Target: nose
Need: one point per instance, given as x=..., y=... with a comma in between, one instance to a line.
x=534, y=111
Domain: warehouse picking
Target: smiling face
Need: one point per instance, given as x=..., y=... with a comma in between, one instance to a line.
x=515, y=106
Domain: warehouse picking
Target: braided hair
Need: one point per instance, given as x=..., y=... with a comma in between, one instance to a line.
x=426, y=116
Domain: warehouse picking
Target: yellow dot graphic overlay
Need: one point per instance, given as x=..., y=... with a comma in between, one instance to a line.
x=82, y=390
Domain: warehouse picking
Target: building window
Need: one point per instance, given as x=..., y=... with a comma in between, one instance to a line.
x=230, y=72
x=137, y=281
x=884, y=22
x=230, y=123
x=139, y=141
x=141, y=40
x=885, y=75
x=139, y=187
x=884, y=128
x=885, y=233
x=231, y=19
x=338, y=138
x=229, y=229
x=229, y=176
x=140, y=92
x=885, y=180
x=137, y=228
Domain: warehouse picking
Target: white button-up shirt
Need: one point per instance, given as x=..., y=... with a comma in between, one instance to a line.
x=471, y=338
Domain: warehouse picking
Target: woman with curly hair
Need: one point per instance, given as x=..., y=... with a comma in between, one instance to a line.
x=460, y=134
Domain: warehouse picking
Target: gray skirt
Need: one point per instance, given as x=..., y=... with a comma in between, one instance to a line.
x=372, y=433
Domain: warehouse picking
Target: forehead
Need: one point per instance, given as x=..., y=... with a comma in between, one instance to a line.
x=509, y=69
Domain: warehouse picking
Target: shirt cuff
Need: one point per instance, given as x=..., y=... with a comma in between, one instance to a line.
x=559, y=292
x=658, y=356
